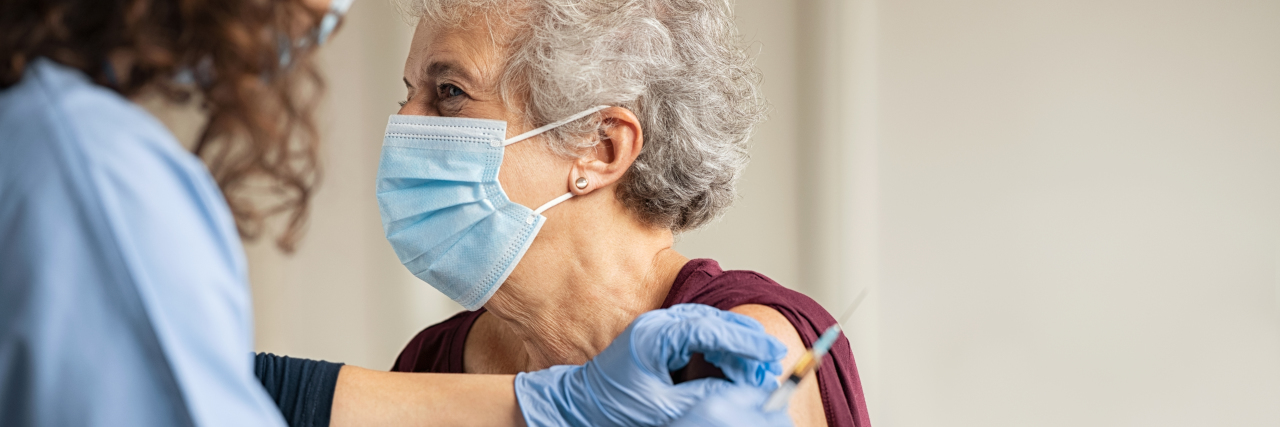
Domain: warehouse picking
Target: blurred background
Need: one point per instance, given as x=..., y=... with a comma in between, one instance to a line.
x=1065, y=212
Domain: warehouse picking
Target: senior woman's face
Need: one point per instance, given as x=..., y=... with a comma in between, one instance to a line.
x=453, y=72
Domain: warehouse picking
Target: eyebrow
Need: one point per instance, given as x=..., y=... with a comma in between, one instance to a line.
x=446, y=69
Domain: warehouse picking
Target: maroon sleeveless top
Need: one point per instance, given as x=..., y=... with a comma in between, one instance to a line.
x=439, y=348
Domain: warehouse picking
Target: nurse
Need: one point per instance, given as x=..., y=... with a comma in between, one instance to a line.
x=123, y=294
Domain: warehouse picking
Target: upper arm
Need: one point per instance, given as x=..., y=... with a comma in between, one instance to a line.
x=806, y=406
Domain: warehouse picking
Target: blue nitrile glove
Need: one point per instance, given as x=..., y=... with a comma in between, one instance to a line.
x=736, y=406
x=629, y=383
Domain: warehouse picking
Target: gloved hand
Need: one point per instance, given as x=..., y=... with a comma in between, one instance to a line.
x=736, y=406
x=629, y=383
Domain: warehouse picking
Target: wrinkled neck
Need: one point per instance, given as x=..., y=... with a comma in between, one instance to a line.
x=579, y=286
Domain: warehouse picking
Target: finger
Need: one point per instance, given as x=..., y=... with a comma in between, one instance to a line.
x=686, y=311
x=740, y=319
x=738, y=369
x=715, y=336
x=691, y=310
x=740, y=401
x=700, y=389
x=746, y=371
x=731, y=405
x=688, y=396
x=750, y=396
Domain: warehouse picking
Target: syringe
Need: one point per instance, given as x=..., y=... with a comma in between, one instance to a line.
x=807, y=363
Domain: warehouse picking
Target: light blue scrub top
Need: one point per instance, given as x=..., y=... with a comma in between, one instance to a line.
x=123, y=291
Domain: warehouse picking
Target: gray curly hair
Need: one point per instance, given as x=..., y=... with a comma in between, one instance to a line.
x=677, y=64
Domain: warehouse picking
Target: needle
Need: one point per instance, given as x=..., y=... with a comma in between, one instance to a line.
x=810, y=360
x=857, y=301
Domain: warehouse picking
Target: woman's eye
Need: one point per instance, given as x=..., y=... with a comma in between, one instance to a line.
x=449, y=91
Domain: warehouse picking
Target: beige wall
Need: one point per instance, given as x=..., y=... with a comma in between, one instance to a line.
x=1066, y=212
x=1080, y=212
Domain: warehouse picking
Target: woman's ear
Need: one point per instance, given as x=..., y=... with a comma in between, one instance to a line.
x=603, y=165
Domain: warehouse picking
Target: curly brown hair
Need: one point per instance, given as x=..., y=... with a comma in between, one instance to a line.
x=260, y=141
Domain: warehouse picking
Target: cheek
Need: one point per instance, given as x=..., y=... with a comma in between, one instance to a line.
x=531, y=175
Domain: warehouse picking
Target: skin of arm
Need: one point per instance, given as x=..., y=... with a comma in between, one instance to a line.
x=806, y=404
x=365, y=397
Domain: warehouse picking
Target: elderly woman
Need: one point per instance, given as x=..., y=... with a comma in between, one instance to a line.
x=624, y=122
x=123, y=298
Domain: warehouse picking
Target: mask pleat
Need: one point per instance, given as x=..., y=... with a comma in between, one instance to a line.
x=414, y=199
x=443, y=209
x=418, y=235
x=438, y=164
x=503, y=231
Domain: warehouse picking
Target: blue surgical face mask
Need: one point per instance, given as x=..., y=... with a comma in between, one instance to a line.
x=443, y=209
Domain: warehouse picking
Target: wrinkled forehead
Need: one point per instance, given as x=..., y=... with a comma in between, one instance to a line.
x=476, y=43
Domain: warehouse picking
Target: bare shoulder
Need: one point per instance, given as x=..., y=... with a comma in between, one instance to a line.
x=774, y=323
x=806, y=406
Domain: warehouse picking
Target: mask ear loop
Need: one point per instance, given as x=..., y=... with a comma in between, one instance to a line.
x=536, y=132
x=552, y=125
x=552, y=203
x=548, y=205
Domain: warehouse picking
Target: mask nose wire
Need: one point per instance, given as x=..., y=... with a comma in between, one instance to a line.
x=552, y=125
